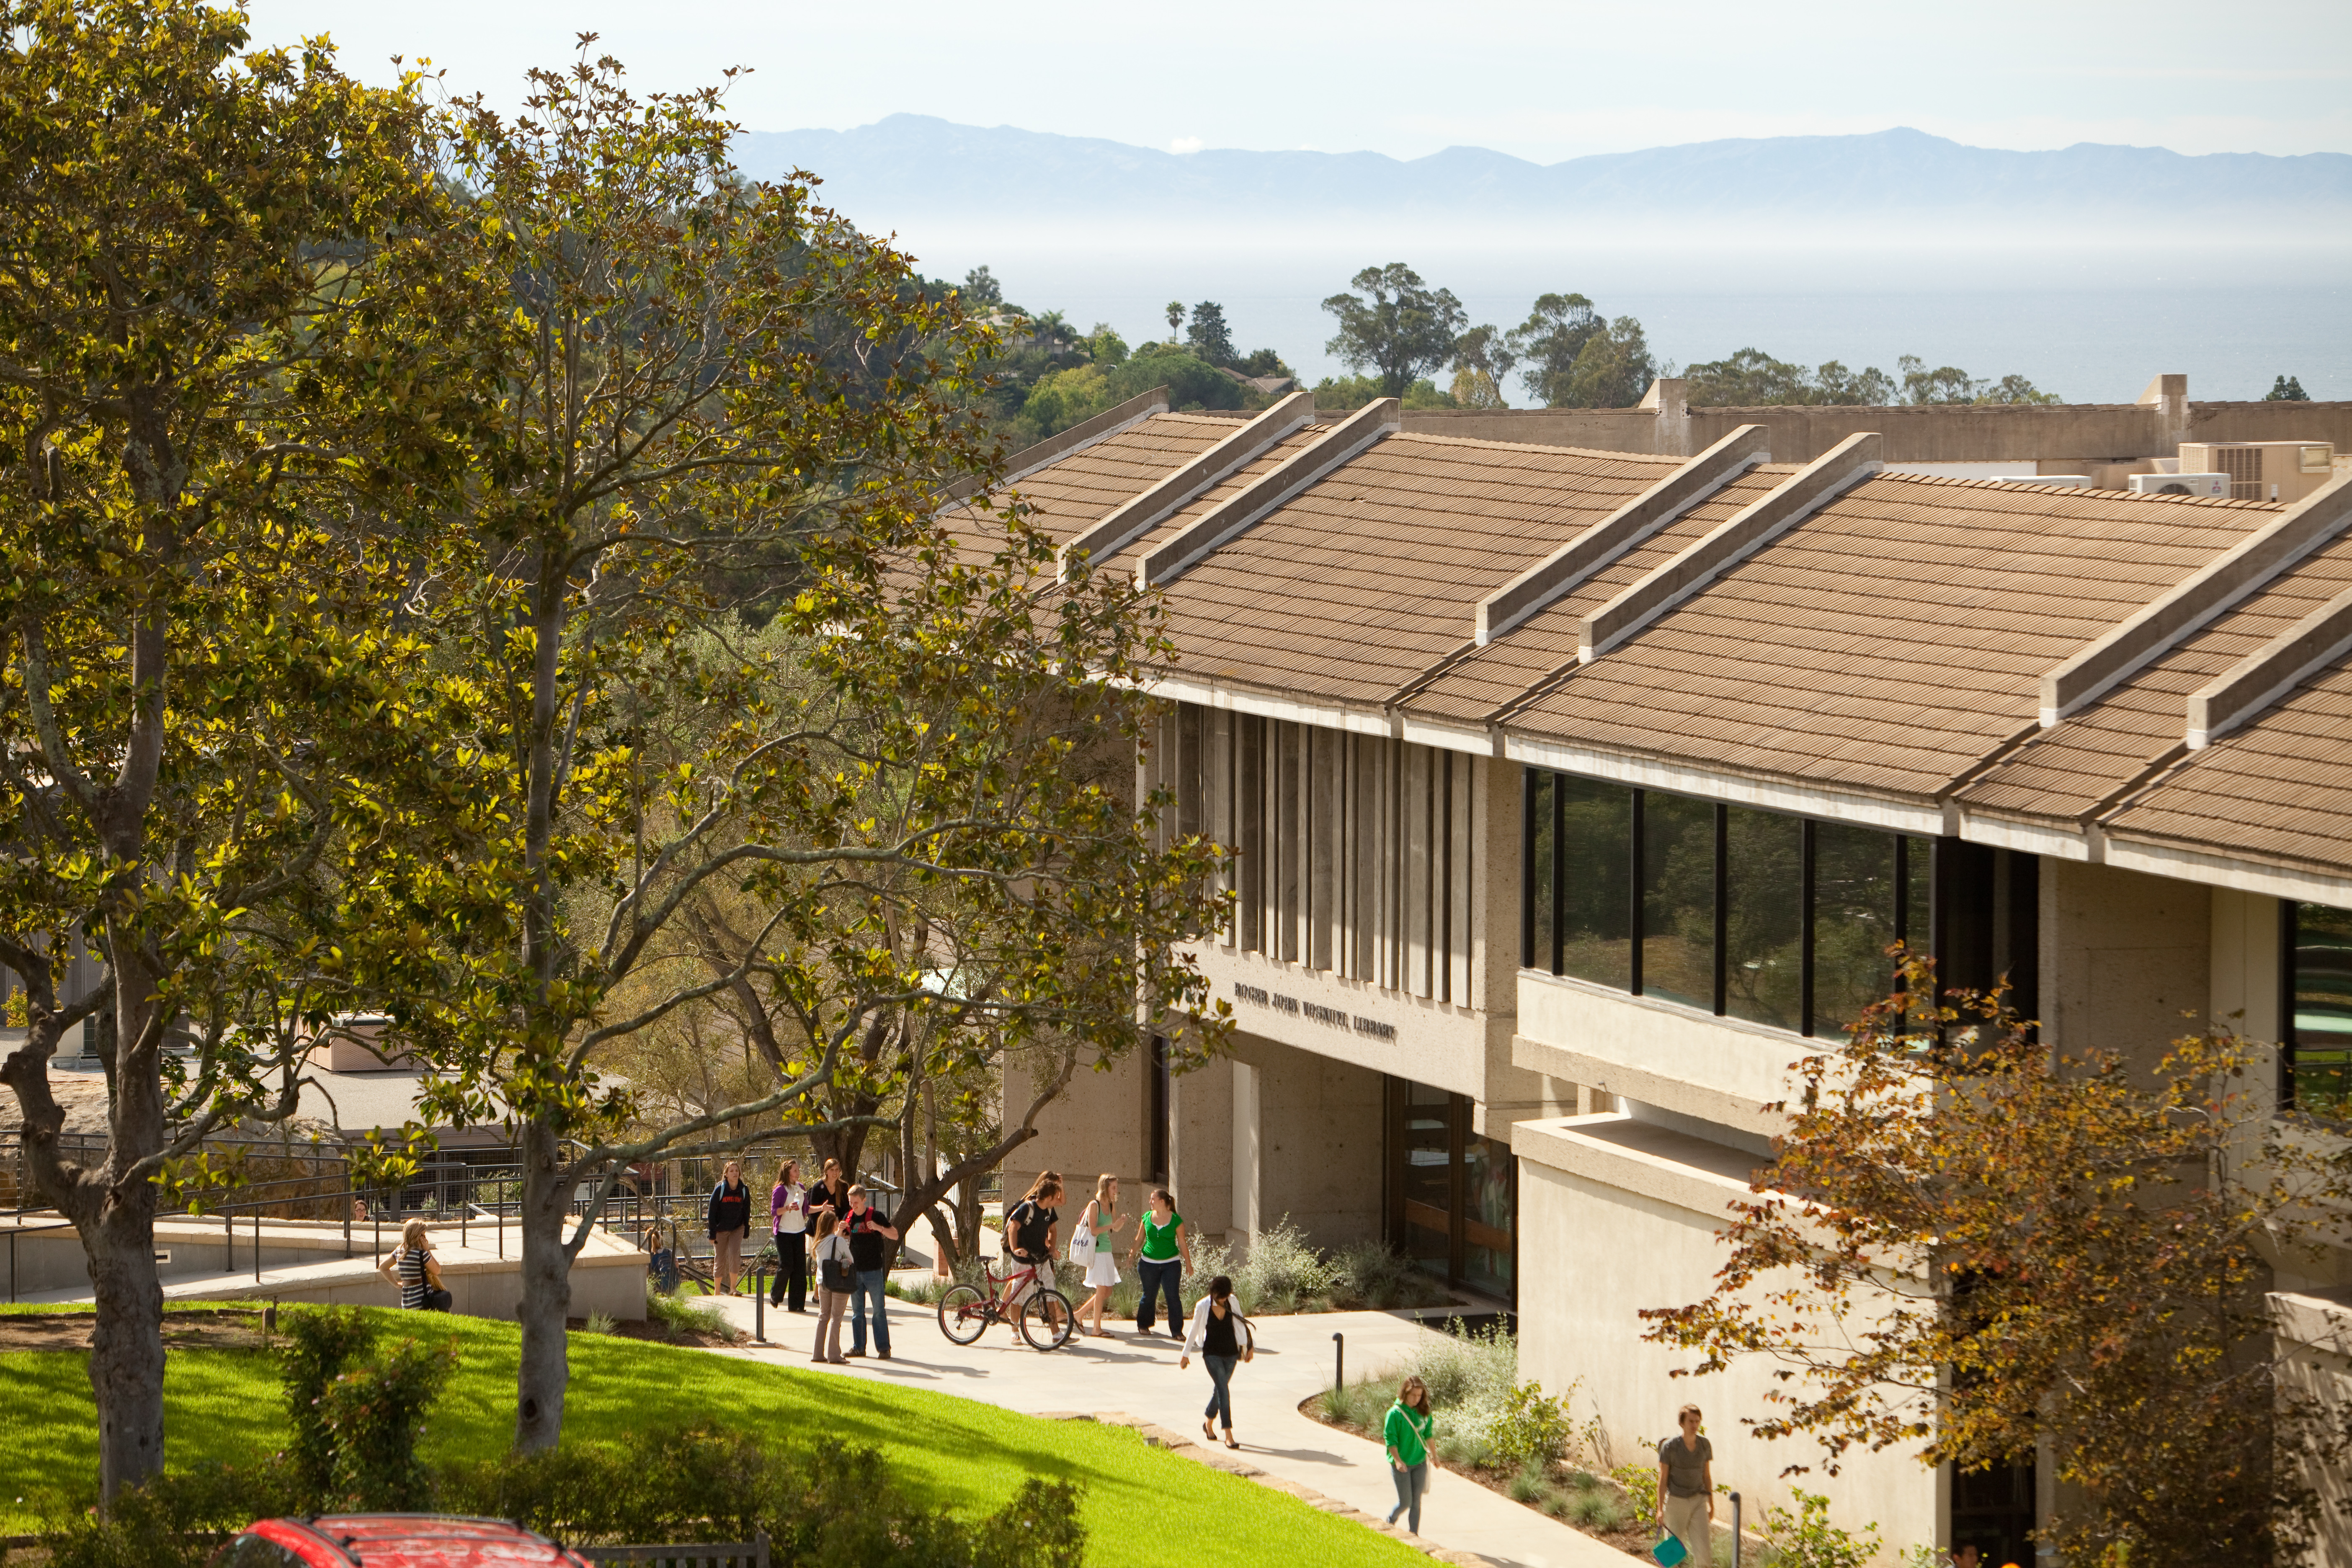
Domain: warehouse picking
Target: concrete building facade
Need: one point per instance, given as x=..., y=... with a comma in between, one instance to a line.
x=1575, y=793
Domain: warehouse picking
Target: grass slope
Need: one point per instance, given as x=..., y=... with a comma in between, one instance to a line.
x=1144, y=1507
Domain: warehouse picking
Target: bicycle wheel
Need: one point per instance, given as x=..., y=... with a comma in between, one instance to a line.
x=963, y=1314
x=1046, y=1320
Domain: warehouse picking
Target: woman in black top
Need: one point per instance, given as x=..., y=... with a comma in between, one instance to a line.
x=730, y=1219
x=832, y=1192
x=1221, y=1335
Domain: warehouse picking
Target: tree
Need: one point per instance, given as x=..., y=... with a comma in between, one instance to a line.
x=1870, y=387
x=2286, y=389
x=1614, y=370
x=721, y=643
x=1752, y=378
x=1394, y=326
x=981, y=291
x=1947, y=383
x=1482, y=362
x=1175, y=319
x=223, y=411
x=1973, y=1244
x=1210, y=340
x=2014, y=388
x=1548, y=342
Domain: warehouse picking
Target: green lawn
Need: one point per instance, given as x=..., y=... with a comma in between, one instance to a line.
x=1145, y=1509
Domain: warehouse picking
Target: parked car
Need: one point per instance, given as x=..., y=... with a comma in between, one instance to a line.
x=391, y=1541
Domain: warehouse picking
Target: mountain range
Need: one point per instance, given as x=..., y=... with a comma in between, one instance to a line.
x=916, y=165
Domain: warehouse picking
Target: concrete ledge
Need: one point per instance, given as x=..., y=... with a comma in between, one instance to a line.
x=1723, y=1070
x=1792, y=500
x=1077, y=438
x=1615, y=1150
x=1139, y=515
x=2203, y=594
x=1620, y=530
x=2265, y=675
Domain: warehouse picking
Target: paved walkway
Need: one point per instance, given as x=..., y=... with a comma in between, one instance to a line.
x=1139, y=1376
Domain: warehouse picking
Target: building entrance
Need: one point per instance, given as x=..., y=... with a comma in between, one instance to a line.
x=1992, y=1509
x=1453, y=1196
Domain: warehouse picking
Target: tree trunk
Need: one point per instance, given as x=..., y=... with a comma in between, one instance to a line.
x=546, y=1294
x=126, y=1345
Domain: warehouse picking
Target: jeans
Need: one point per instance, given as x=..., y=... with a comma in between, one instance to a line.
x=1221, y=1392
x=1686, y=1517
x=1411, y=1483
x=792, y=1268
x=869, y=1283
x=1155, y=1278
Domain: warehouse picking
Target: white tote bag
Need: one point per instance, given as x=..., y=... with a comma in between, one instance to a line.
x=1082, y=1239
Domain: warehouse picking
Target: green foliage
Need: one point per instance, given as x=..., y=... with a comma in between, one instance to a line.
x=1346, y=393
x=1527, y=1484
x=2286, y=389
x=1752, y=378
x=1613, y=370
x=1211, y=340
x=371, y=1416
x=1394, y=326
x=1806, y=1538
x=173, y=1521
x=321, y=1345
x=1531, y=1428
x=681, y=1316
x=1067, y=397
x=1548, y=342
x=1640, y=1484
x=1596, y=1509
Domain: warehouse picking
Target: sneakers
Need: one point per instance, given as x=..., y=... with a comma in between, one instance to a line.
x=884, y=1355
x=855, y=1356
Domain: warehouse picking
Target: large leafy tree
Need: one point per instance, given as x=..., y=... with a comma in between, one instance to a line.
x=1971, y=1245
x=722, y=660
x=229, y=397
x=1546, y=345
x=1394, y=326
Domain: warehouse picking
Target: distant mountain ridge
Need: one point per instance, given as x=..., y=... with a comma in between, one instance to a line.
x=917, y=164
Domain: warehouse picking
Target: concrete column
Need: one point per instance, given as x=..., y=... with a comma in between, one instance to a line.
x=1201, y=1147
x=2127, y=959
x=1097, y=1124
x=1242, y=1218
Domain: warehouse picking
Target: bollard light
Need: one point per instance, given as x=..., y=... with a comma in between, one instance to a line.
x=1338, y=1362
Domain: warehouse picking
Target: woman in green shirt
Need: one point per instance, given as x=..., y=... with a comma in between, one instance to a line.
x=1406, y=1433
x=1163, y=1256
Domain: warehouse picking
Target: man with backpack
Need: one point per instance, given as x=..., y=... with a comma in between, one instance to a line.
x=869, y=1239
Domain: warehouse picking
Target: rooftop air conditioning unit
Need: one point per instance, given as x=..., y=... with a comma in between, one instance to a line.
x=2181, y=484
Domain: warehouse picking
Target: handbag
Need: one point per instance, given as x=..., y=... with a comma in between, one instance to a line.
x=439, y=1300
x=1082, y=1244
x=1669, y=1550
x=836, y=1275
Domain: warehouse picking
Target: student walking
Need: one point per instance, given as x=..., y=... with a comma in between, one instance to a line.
x=730, y=1221
x=1221, y=1336
x=1163, y=1256
x=867, y=1236
x=1686, y=1488
x=836, y=1275
x=788, y=1222
x=1031, y=1227
x=413, y=1268
x=1095, y=1228
x=1406, y=1432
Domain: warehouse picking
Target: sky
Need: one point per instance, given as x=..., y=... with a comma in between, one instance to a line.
x=1542, y=81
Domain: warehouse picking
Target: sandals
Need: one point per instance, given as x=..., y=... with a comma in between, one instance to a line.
x=1228, y=1441
x=1208, y=1431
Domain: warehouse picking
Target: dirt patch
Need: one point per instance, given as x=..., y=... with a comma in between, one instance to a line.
x=658, y=1332
x=200, y=1328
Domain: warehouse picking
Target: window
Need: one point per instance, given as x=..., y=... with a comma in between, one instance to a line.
x=1750, y=914
x=2315, y=1063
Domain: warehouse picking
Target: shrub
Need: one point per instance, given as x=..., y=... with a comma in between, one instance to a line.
x=1531, y=1427
x=1595, y=1509
x=1039, y=1529
x=1372, y=1274
x=1806, y=1538
x=1528, y=1483
x=319, y=1346
x=371, y=1417
x=1640, y=1484
x=1464, y=1451
x=680, y=1316
x=174, y=1520
x=1281, y=1270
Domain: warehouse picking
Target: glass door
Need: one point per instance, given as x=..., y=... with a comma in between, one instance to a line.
x=1453, y=1196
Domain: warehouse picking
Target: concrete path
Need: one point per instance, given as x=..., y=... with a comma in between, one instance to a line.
x=1139, y=1376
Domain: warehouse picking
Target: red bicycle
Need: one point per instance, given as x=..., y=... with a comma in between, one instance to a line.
x=1042, y=1315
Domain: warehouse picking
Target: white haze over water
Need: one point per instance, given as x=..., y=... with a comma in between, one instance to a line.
x=2092, y=318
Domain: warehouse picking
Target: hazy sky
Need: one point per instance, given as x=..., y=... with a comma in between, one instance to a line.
x=1543, y=81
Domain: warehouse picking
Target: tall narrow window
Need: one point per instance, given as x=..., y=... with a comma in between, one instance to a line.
x=1595, y=898
x=1679, y=899
x=1764, y=917
x=1854, y=899
x=1163, y=1108
x=1535, y=914
x=2317, y=1028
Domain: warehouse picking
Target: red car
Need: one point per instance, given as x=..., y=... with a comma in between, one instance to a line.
x=391, y=1541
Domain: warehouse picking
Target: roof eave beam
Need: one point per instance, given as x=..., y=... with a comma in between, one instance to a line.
x=1381, y=418
x=1139, y=515
x=2256, y=681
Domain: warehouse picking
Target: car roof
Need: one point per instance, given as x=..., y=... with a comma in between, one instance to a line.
x=431, y=1541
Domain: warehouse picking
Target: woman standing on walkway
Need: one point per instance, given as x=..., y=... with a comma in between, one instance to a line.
x=788, y=1220
x=730, y=1221
x=836, y=1277
x=414, y=1270
x=1406, y=1433
x=1686, y=1488
x=1163, y=1256
x=1098, y=1225
x=832, y=1193
x=1221, y=1335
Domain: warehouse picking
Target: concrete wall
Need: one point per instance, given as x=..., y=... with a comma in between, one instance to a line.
x=1306, y=1134
x=1958, y=433
x=1097, y=1124
x=2316, y=1333
x=2127, y=959
x=1201, y=1148
x=1596, y=1247
x=1682, y=1061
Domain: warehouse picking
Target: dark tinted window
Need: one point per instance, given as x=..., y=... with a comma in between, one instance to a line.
x=1764, y=919
x=2320, y=1064
x=255, y=1552
x=1679, y=899
x=1596, y=828
x=1855, y=899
